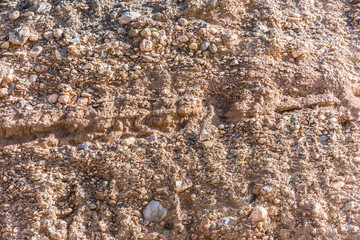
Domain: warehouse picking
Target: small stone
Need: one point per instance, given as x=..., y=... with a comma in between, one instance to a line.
x=127, y=17
x=36, y=51
x=133, y=33
x=20, y=36
x=85, y=145
x=129, y=141
x=146, y=45
x=43, y=7
x=204, y=46
x=318, y=212
x=146, y=32
x=263, y=38
x=259, y=214
x=212, y=48
x=208, y=144
x=64, y=99
x=41, y=68
x=323, y=138
x=193, y=46
x=5, y=45
x=83, y=101
x=181, y=186
x=33, y=37
x=182, y=22
x=87, y=66
x=262, y=141
x=265, y=190
x=6, y=74
x=154, y=211
x=298, y=53
x=32, y=78
x=58, y=33
x=349, y=206
x=234, y=63
x=14, y=15
x=3, y=92
x=228, y=221
x=53, y=98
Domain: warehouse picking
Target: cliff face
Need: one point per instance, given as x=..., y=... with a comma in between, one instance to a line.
x=179, y=119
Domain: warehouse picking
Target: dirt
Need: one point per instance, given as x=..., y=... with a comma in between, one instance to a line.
x=193, y=119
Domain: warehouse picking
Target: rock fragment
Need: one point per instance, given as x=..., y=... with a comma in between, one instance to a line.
x=127, y=17
x=20, y=36
x=212, y=48
x=36, y=51
x=259, y=214
x=64, y=99
x=129, y=141
x=146, y=45
x=43, y=7
x=193, y=46
x=3, y=92
x=14, y=15
x=298, y=53
x=154, y=212
x=53, y=98
x=182, y=22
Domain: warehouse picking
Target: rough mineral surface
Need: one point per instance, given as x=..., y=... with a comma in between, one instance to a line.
x=241, y=118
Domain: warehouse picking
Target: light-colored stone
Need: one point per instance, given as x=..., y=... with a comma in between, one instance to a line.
x=318, y=212
x=33, y=37
x=58, y=33
x=259, y=214
x=193, y=46
x=146, y=45
x=83, y=101
x=129, y=141
x=128, y=17
x=14, y=15
x=87, y=66
x=64, y=99
x=41, y=68
x=6, y=74
x=3, y=92
x=146, y=32
x=5, y=45
x=36, y=51
x=53, y=98
x=299, y=52
x=182, y=22
x=154, y=212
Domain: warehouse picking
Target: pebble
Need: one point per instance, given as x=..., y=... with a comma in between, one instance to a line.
x=33, y=37
x=53, y=98
x=14, y=15
x=182, y=22
x=212, y=48
x=64, y=99
x=204, y=46
x=5, y=45
x=129, y=141
x=32, y=78
x=154, y=211
x=146, y=45
x=41, y=68
x=83, y=101
x=298, y=53
x=43, y=7
x=259, y=214
x=3, y=92
x=20, y=36
x=349, y=206
x=263, y=38
x=127, y=17
x=193, y=46
x=6, y=74
x=58, y=33
x=87, y=66
x=234, y=63
x=318, y=212
x=85, y=145
x=208, y=144
x=323, y=138
x=146, y=32
x=36, y=51
x=133, y=33
x=228, y=221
